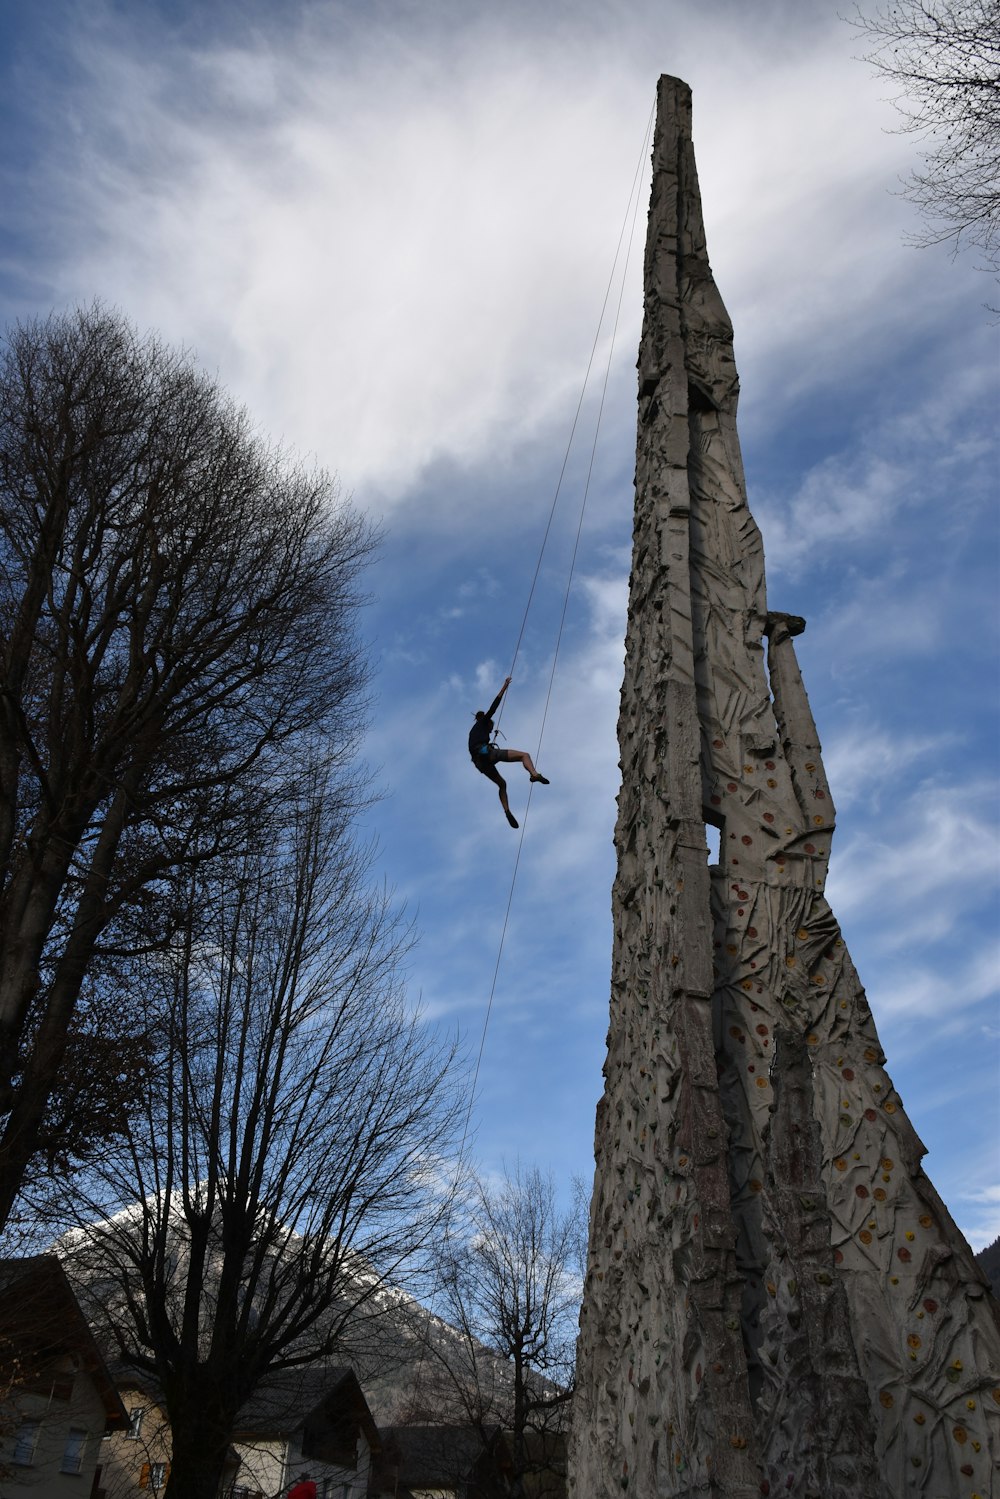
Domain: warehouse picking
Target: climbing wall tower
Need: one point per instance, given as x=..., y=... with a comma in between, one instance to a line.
x=777, y=1301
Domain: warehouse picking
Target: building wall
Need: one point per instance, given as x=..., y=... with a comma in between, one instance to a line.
x=132, y=1461
x=269, y=1467
x=130, y=1464
x=70, y=1421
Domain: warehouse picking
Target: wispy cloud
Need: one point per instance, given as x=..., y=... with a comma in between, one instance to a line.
x=863, y=759
x=393, y=269
x=944, y=855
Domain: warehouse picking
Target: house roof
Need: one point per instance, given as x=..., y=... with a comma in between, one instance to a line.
x=41, y=1317
x=325, y=1403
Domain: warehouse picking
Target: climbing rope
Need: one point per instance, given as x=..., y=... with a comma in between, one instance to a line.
x=634, y=211
x=629, y=209
x=455, y=1187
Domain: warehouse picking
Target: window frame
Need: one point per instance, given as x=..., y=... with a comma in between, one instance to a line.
x=28, y=1426
x=83, y=1434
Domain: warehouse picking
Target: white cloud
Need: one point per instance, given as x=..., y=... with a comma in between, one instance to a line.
x=862, y=759
x=904, y=461
x=945, y=992
x=942, y=860
x=393, y=239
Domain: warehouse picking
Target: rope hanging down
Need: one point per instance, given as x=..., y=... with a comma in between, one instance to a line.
x=634, y=212
x=633, y=192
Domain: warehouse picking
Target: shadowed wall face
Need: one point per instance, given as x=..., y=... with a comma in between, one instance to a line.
x=776, y=1299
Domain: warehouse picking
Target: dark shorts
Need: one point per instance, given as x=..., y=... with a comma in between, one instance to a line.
x=485, y=758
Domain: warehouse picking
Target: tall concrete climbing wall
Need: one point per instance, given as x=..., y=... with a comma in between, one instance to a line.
x=777, y=1301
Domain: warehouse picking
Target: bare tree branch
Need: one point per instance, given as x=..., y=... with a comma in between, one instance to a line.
x=510, y=1282
x=177, y=629
x=945, y=57
x=277, y=1176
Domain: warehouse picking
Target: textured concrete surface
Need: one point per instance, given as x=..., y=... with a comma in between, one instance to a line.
x=777, y=1300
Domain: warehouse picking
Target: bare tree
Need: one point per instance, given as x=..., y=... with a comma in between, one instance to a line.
x=510, y=1285
x=945, y=57
x=177, y=615
x=280, y=1163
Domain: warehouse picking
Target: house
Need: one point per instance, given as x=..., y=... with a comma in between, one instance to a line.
x=310, y=1420
x=313, y=1419
x=441, y=1462
x=57, y=1397
x=136, y=1458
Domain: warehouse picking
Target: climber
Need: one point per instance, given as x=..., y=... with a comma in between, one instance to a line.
x=486, y=755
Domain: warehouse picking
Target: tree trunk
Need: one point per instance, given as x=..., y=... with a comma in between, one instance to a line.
x=201, y=1431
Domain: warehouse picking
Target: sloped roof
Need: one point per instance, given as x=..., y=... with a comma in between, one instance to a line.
x=41, y=1317
x=325, y=1403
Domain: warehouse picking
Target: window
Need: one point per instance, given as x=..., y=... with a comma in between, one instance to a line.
x=135, y=1416
x=72, y=1458
x=154, y=1476
x=27, y=1439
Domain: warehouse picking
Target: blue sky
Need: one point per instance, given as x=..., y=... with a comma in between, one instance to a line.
x=388, y=227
